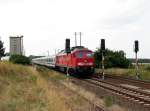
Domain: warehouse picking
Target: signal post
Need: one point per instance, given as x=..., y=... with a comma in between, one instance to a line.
x=68, y=51
x=103, y=57
x=136, y=49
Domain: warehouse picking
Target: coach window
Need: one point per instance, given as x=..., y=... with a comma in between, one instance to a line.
x=48, y=59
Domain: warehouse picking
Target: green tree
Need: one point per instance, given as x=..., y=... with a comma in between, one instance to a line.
x=2, y=49
x=112, y=59
x=19, y=59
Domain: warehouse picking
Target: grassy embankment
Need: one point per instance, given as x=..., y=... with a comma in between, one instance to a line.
x=23, y=89
x=143, y=69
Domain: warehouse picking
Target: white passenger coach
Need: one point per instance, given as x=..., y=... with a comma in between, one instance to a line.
x=46, y=61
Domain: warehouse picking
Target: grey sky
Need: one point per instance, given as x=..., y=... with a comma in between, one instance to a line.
x=46, y=23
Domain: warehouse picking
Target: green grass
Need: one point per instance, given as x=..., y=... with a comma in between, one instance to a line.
x=109, y=101
x=48, y=74
x=20, y=90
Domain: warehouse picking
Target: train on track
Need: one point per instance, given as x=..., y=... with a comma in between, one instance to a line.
x=80, y=60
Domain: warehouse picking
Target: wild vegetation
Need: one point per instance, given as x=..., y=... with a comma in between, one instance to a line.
x=144, y=71
x=22, y=89
x=20, y=59
x=2, y=49
x=26, y=88
x=112, y=59
x=109, y=101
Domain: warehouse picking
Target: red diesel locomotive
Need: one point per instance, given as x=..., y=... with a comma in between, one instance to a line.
x=79, y=60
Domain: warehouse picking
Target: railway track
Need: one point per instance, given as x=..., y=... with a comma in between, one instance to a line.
x=139, y=83
x=135, y=95
x=97, y=107
x=127, y=93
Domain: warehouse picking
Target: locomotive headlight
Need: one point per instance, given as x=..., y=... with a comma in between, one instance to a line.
x=80, y=63
x=90, y=63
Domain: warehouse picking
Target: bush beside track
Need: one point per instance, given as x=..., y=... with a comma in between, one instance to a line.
x=112, y=59
x=20, y=59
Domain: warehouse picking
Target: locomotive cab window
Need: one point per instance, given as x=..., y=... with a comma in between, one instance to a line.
x=79, y=55
x=89, y=55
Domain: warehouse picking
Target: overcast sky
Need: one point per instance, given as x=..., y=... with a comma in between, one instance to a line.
x=46, y=23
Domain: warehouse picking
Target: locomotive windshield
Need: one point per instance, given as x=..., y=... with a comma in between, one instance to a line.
x=89, y=55
x=79, y=55
x=84, y=54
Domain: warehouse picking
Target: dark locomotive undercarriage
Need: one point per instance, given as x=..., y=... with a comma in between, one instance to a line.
x=80, y=71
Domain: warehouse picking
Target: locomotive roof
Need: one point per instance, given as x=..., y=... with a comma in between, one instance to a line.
x=77, y=47
x=73, y=49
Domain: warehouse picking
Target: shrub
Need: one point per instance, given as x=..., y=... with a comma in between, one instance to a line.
x=20, y=59
x=109, y=101
x=147, y=68
x=2, y=50
x=112, y=59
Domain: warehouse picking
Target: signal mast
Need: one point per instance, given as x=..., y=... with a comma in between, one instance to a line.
x=136, y=49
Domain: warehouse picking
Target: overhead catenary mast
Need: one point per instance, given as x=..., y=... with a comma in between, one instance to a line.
x=80, y=38
x=76, y=38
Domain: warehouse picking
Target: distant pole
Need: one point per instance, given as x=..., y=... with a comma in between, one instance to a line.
x=136, y=49
x=68, y=67
x=68, y=51
x=48, y=53
x=75, y=38
x=103, y=66
x=55, y=51
x=103, y=57
x=137, y=66
x=80, y=38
